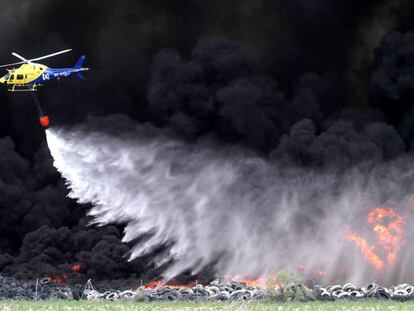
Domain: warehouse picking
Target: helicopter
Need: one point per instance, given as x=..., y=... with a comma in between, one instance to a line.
x=30, y=75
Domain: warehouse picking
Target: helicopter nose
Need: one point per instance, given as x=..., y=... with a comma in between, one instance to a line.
x=2, y=80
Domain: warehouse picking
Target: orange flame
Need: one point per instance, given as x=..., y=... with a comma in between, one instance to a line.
x=254, y=282
x=367, y=250
x=59, y=279
x=320, y=273
x=154, y=284
x=388, y=227
x=170, y=284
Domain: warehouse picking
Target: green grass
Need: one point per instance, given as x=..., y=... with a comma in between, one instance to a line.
x=200, y=306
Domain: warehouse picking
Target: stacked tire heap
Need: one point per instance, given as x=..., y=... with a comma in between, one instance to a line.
x=400, y=292
x=217, y=290
x=235, y=291
x=44, y=289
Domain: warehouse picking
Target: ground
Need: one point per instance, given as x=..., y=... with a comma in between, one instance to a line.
x=193, y=306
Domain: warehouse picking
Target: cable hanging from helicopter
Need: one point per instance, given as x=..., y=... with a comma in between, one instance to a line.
x=43, y=118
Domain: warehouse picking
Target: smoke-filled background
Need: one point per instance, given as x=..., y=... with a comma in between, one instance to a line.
x=235, y=137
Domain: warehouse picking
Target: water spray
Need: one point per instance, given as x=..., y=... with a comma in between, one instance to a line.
x=222, y=204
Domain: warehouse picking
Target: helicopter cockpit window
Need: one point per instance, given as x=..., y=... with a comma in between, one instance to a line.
x=6, y=77
x=11, y=77
x=19, y=77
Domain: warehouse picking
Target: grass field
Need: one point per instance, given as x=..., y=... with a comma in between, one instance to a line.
x=190, y=306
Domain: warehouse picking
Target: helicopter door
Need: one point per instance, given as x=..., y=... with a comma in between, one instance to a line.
x=20, y=78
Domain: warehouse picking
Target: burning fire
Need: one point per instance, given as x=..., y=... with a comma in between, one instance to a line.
x=76, y=268
x=320, y=273
x=388, y=227
x=170, y=284
x=154, y=284
x=59, y=279
x=277, y=281
x=65, y=277
x=259, y=282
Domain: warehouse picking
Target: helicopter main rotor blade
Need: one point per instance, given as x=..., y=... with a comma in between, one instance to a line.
x=9, y=65
x=50, y=55
x=20, y=57
x=27, y=61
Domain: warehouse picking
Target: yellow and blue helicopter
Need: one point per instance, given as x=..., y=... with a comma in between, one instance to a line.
x=30, y=75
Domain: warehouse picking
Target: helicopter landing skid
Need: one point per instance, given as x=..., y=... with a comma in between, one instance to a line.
x=18, y=88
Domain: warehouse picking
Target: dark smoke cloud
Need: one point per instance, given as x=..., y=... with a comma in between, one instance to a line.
x=220, y=90
x=394, y=77
x=392, y=81
x=340, y=146
x=51, y=251
x=271, y=75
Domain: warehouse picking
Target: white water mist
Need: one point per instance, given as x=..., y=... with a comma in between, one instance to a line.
x=223, y=205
